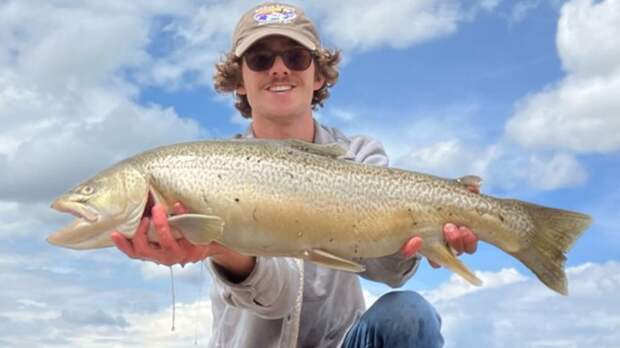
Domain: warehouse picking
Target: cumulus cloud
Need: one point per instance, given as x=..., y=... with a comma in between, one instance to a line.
x=580, y=113
x=66, y=105
x=43, y=307
x=457, y=286
x=199, y=39
x=514, y=310
x=365, y=25
x=513, y=315
x=194, y=273
x=370, y=24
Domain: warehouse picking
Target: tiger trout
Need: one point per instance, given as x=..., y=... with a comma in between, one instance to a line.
x=296, y=199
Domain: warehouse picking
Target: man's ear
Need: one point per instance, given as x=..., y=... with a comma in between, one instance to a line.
x=319, y=82
x=240, y=89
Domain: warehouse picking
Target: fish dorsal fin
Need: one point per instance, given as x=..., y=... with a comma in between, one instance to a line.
x=327, y=259
x=470, y=181
x=333, y=150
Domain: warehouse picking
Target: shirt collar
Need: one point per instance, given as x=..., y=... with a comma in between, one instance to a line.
x=321, y=135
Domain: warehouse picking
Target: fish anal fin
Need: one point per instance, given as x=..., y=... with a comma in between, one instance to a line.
x=327, y=259
x=440, y=253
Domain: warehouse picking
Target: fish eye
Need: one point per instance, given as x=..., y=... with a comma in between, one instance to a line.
x=87, y=190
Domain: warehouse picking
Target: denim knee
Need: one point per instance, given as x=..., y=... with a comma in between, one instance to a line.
x=397, y=319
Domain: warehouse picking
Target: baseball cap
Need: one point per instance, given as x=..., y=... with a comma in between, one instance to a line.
x=274, y=18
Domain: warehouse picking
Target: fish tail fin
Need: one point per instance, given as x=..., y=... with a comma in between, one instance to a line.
x=555, y=233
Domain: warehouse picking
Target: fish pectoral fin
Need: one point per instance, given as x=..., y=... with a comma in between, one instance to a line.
x=157, y=197
x=326, y=259
x=440, y=253
x=198, y=228
x=333, y=150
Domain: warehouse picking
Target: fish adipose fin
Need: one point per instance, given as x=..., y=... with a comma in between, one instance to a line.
x=440, y=253
x=555, y=233
x=326, y=259
x=470, y=181
x=197, y=228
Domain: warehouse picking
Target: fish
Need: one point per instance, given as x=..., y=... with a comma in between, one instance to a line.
x=290, y=198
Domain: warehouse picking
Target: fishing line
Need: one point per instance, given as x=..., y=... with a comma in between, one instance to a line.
x=200, y=291
x=173, y=297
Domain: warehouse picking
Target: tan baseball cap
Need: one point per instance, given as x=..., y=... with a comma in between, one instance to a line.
x=274, y=18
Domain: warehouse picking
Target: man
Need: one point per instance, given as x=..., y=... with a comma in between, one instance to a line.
x=279, y=73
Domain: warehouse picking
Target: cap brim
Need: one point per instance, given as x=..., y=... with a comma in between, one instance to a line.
x=248, y=41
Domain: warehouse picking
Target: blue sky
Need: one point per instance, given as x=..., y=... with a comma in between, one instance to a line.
x=522, y=93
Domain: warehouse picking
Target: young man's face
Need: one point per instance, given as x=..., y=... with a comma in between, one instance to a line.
x=279, y=91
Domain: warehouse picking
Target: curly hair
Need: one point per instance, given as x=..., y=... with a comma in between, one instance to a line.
x=228, y=77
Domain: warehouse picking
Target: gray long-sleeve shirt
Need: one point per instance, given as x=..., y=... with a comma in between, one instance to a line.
x=286, y=302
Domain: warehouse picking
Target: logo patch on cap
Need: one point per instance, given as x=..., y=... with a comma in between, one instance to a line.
x=274, y=14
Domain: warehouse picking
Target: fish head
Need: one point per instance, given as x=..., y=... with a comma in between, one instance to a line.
x=113, y=200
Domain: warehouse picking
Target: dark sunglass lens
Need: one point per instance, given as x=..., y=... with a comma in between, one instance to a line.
x=260, y=60
x=297, y=58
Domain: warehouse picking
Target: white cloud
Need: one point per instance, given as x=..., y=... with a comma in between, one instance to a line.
x=46, y=308
x=587, y=37
x=194, y=273
x=526, y=314
x=438, y=143
x=66, y=106
x=199, y=39
x=513, y=310
x=548, y=173
x=457, y=286
x=41, y=308
x=450, y=157
x=369, y=298
x=580, y=113
x=365, y=25
x=521, y=9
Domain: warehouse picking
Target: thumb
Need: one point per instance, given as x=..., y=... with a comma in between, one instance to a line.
x=411, y=247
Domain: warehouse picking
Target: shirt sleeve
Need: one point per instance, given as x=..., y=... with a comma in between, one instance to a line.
x=393, y=270
x=270, y=290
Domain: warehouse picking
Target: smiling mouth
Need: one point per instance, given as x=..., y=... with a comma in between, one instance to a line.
x=280, y=88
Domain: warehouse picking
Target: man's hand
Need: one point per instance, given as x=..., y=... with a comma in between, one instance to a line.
x=459, y=238
x=170, y=251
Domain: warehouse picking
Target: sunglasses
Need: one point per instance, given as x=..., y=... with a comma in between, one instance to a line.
x=296, y=58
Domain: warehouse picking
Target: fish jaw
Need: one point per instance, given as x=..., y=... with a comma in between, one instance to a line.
x=76, y=234
x=92, y=229
x=88, y=225
x=79, y=210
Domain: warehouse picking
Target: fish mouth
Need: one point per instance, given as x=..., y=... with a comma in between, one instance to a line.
x=87, y=226
x=77, y=209
x=91, y=229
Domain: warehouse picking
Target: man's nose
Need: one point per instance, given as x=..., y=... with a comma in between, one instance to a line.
x=279, y=68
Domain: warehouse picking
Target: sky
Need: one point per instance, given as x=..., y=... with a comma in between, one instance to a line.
x=524, y=94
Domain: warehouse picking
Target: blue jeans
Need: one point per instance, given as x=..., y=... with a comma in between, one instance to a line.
x=398, y=319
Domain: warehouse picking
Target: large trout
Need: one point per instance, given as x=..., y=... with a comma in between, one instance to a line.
x=296, y=199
